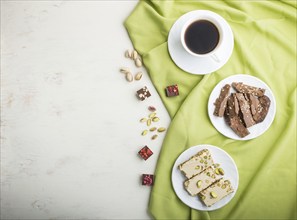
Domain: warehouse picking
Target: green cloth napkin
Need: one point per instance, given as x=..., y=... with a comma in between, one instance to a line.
x=265, y=47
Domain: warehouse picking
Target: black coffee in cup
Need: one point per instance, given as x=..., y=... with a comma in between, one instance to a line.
x=201, y=37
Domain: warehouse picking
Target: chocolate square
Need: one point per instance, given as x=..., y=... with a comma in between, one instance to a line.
x=172, y=90
x=143, y=93
x=145, y=152
x=147, y=179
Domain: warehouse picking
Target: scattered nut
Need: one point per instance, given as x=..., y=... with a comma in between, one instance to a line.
x=161, y=129
x=143, y=120
x=152, y=115
x=128, y=54
x=153, y=129
x=129, y=77
x=148, y=122
x=154, y=137
x=125, y=70
x=155, y=119
x=138, y=76
x=144, y=133
x=152, y=108
x=138, y=62
x=134, y=55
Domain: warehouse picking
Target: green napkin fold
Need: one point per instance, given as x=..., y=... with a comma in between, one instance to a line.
x=265, y=47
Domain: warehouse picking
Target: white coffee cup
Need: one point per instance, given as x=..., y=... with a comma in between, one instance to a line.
x=212, y=18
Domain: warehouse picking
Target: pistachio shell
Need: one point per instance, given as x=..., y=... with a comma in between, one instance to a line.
x=138, y=76
x=129, y=77
x=134, y=55
x=138, y=62
x=128, y=54
x=124, y=70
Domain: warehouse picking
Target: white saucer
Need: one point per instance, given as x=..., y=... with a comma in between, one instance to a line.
x=255, y=130
x=197, y=65
x=219, y=156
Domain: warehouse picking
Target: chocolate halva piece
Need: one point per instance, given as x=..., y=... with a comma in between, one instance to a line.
x=202, y=180
x=260, y=107
x=216, y=192
x=245, y=111
x=143, y=93
x=221, y=101
x=145, y=152
x=254, y=103
x=196, y=164
x=243, y=88
x=172, y=90
x=148, y=179
x=232, y=118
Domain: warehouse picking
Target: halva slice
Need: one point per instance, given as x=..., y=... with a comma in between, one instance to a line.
x=232, y=118
x=201, y=181
x=243, y=88
x=221, y=101
x=196, y=164
x=245, y=110
x=216, y=192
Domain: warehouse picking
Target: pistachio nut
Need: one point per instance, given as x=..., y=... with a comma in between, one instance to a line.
x=221, y=171
x=138, y=76
x=143, y=120
x=154, y=137
x=134, y=55
x=213, y=195
x=161, y=129
x=129, y=77
x=155, y=119
x=138, y=62
x=152, y=115
x=144, y=133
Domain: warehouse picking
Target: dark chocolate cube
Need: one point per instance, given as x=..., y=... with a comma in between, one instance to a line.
x=145, y=152
x=143, y=93
x=172, y=91
x=147, y=179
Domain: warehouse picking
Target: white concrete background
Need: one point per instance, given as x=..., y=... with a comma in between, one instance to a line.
x=70, y=128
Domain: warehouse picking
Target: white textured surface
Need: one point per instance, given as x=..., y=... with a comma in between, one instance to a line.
x=70, y=128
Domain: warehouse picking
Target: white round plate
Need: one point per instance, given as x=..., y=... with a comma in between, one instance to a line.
x=219, y=122
x=198, y=65
x=219, y=156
